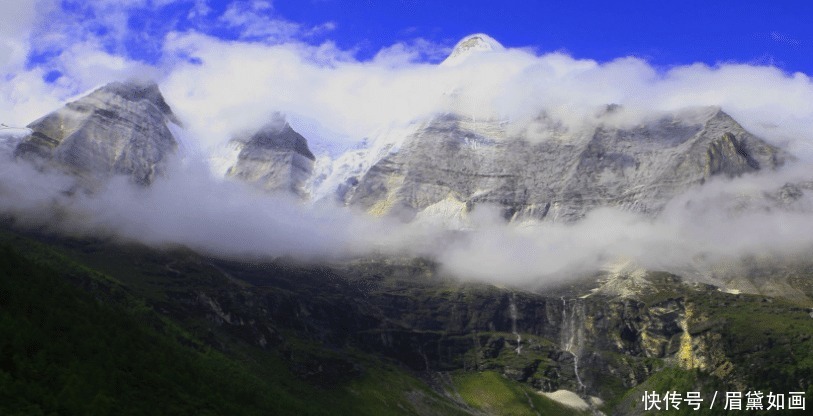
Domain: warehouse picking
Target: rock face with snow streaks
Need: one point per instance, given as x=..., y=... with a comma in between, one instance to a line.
x=637, y=168
x=274, y=158
x=119, y=129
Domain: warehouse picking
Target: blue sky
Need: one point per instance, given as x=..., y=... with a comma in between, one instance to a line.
x=351, y=72
x=352, y=68
x=663, y=33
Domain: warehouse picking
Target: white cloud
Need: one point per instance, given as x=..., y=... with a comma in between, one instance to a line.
x=257, y=20
x=23, y=94
x=199, y=10
x=786, y=39
x=86, y=66
x=356, y=99
x=17, y=20
x=220, y=87
x=416, y=50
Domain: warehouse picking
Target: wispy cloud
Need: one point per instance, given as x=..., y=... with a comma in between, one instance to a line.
x=257, y=20
x=785, y=39
x=221, y=86
x=414, y=50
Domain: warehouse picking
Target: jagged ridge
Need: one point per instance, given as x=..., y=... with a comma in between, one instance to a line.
x=561, y=178
x=119, y=129
x=274, y=158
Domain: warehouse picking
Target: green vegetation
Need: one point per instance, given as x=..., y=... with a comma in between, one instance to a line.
x=64, y=352
x=492, y=393
x=672, y=379
x=770, y=339
x=385, y=390
x=67, y=351
x=95, y=327
x=767, y=342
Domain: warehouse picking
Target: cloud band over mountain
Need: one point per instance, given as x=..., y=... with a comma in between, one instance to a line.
x=219, y=88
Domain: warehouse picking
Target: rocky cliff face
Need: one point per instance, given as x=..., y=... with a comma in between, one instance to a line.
x=119, y=129
x=453, y=161
x=323, y=319
x=598, y=345
x=274, y=158
x=444, y=168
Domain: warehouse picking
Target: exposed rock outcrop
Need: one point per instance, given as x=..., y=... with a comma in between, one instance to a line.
x=563, y=177
x=274, y=158
x=119, y=129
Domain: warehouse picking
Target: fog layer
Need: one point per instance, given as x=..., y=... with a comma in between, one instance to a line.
x=219, y=88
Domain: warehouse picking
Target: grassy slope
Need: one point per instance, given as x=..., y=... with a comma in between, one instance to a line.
x=260, y=381
x=65, y=352
x=492, y=393
x=102, y=350
x=769, y=341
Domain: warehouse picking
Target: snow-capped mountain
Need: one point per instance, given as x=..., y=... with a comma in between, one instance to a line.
x=274, y=158
x=453, y=160
x=119, y=129
x=471, y=45
x=437, y=168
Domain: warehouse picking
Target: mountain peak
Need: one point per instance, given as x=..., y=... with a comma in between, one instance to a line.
x=279, y=136
x=138, y=90
x=274, y=158
x=472, y=44
x=118, y=129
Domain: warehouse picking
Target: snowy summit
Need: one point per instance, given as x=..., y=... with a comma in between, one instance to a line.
x=472, y=44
